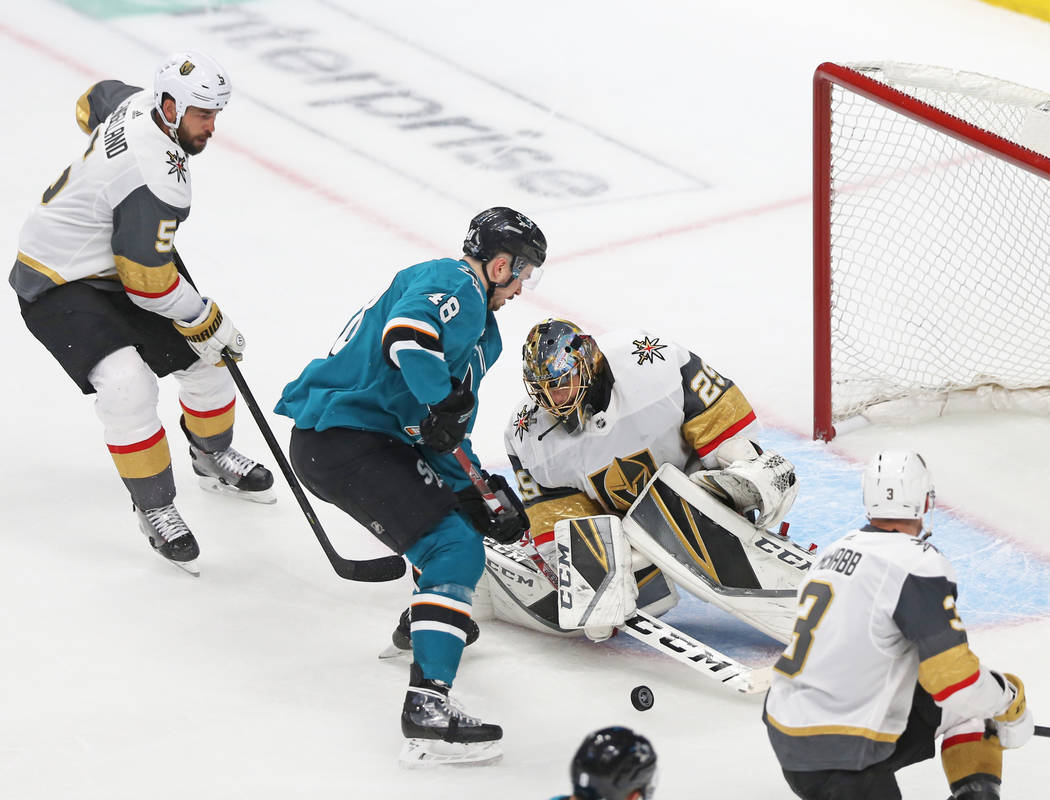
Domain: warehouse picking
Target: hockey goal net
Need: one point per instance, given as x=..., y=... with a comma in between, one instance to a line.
x=931, y=238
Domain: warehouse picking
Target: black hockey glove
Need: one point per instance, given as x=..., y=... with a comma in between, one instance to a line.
x=506, y=527
x=446, y=424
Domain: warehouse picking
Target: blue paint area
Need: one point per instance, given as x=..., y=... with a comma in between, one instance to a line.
x=999, y=583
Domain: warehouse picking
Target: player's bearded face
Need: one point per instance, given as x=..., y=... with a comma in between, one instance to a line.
x=195, y=128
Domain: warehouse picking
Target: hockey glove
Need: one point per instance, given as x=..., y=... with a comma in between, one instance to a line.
x=1015, y=725
x=210, y=332
x=446, y=425
x=506, y=527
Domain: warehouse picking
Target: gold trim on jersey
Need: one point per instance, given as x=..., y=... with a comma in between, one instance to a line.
x=731, y=407
x=832, y=730
x=84, y=110
x=36, y=266
x=146, y=281
x=544, y=514
x=943, y=671
x=967, y=756
x=143, y=459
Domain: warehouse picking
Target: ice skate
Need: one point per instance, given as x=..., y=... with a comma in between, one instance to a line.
x=439, y=732
x=231, y=473
x=169, y=536
x=401, y=638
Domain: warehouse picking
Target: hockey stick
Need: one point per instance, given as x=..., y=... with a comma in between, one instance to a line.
x=642, y=626
x=493, y=502
x=385, y=568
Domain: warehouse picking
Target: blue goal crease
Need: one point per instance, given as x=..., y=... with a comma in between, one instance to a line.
x=999, y=582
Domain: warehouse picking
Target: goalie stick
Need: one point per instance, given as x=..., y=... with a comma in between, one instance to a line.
x=526, y=542
x=385, y=568
x=642, y=626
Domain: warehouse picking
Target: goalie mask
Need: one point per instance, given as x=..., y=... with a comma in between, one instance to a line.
x=613, y=763
x=898, y=485
x=565, y=372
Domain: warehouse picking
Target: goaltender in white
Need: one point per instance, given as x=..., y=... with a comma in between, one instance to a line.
x=601, y=448
x=640, y=476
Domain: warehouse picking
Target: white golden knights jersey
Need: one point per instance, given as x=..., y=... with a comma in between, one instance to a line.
x=876, y=614
x=110, y=217
x=666, y=405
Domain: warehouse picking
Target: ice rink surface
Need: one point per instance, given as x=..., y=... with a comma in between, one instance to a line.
x=665, y=152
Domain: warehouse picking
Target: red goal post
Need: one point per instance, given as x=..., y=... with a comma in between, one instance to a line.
x=931, y=238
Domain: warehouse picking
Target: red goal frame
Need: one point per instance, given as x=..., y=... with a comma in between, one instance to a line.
x=825, y=77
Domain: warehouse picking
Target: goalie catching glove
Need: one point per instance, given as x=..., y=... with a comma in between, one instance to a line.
x=760, y=486
x=506, y=527
x=209, y=332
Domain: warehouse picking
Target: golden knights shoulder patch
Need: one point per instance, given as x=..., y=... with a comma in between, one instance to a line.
x=648, y=349
x=522, y=422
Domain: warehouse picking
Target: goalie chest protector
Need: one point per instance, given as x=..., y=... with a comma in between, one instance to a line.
x=618, y=450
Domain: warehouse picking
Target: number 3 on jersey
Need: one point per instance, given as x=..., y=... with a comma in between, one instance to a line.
x=812, y=606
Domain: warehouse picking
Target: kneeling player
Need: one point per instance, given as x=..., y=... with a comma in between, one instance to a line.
x=602, y=415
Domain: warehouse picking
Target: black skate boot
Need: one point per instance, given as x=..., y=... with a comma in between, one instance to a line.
x=437, y=731
x=401, y=638
x=229, y=472
x=169, y=536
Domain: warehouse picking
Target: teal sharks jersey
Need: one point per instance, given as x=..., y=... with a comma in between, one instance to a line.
x=399, y=353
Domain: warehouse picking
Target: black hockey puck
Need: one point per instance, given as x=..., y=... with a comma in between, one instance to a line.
x=642, y=698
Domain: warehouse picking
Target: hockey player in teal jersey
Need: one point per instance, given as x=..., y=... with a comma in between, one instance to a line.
x=376, y=425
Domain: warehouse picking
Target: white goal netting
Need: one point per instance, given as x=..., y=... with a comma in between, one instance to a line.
x=940, y=251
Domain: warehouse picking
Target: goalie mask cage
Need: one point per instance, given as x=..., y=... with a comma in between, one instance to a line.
x=931, y=215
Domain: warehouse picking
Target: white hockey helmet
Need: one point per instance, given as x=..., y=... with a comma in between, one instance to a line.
x=191, y=78
x=897, y=485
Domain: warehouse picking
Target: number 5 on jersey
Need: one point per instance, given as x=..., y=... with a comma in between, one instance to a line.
x=813, y=605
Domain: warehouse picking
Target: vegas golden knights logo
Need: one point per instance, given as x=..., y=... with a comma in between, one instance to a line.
x=186, y=68
x=620, y=483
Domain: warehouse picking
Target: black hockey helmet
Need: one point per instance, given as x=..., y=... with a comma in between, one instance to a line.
x=612, y=763
x=502, y=229
x=558, y=356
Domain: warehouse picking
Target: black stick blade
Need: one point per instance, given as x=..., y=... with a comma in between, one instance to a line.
x=377, y=570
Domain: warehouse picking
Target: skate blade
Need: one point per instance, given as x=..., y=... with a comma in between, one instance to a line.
x=215, y=486
x=186, y=566
x=427, y=753
x=393, y=651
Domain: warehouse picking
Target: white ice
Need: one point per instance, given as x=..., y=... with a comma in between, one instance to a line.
x=121, y=677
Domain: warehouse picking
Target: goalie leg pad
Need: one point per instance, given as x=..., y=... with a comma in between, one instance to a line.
x=516, y=591
x=596, y=586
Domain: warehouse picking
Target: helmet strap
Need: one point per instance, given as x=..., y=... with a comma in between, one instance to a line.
x=490, y=285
